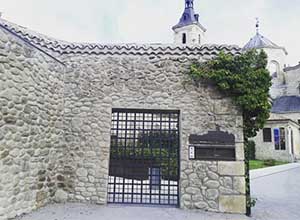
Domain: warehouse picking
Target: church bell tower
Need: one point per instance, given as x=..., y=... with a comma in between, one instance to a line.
x=189, y=31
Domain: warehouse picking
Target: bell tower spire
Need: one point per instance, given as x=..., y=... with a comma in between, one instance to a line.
x=257, y=25
x=189, y=30
x=189, y=3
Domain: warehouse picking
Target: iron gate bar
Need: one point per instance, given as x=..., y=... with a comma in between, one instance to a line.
x=150, y=111
x=129, y=157
x=169, y=192
x=150, y=168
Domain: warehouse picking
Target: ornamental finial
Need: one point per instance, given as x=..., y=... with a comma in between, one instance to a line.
x=257, y=25
x=189, y=3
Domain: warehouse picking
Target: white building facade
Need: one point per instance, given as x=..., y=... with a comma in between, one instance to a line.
x=280, y=139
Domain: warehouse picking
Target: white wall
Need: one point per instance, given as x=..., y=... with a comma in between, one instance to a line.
x=296, y=138
x=266, y=150
x=192, y=33
x=289, y=88
x=276, y=63
x=292, y=116
x=293, y=82
x=276, y=56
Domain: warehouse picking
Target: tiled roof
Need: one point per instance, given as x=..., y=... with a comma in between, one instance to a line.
x=259, y=42
x=286, y=104
x=63, y=47
x=290, y=68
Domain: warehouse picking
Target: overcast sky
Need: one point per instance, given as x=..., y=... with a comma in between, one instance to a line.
x=150, y=21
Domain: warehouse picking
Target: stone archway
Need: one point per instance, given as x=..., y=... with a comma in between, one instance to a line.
x=276, y=71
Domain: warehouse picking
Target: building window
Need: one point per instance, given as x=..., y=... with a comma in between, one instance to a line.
x=184, y=38
x=199, y=39
x=267, y=136
x=279, y=139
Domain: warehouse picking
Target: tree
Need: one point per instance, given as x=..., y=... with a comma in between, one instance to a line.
x=244, y=78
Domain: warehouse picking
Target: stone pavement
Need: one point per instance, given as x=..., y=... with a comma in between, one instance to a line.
x=278, y=192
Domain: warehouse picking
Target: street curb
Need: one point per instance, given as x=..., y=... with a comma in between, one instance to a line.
x=255, y=174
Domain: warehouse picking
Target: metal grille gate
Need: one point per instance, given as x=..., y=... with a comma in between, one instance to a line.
x=144, y=157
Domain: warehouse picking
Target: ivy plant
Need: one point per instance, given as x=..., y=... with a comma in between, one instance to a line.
x=246, y=79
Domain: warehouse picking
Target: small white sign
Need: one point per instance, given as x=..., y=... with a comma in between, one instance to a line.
x=192, y=152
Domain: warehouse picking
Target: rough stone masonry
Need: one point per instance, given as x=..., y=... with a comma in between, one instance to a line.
x=56, y=101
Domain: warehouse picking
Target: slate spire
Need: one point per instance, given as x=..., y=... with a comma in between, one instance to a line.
x=189, y=30
x=189, y=16
x=261, y=42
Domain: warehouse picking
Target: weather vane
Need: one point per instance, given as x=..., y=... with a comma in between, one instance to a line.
x=257, y=25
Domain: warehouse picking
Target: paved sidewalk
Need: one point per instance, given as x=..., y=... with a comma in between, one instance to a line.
x=114, y=212
x=278, y=192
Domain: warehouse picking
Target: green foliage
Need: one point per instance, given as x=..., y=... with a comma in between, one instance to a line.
x=270, y=162
x=252, y=202
x=258, y=164
x=245, y=79
x=158, y=147
x=251, y=148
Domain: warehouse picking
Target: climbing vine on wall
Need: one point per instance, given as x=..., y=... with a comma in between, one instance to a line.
x=244, y=78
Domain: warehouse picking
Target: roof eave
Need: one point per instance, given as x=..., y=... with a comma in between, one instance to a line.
x=283, y=120
x=264, y=47
x=177, y=26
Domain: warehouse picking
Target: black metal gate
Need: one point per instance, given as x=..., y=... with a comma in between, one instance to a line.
x=144, y=157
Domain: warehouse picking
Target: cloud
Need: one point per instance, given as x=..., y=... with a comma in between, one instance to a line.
x=148, y=21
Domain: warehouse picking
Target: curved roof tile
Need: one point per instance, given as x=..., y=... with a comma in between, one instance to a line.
x=63, y=47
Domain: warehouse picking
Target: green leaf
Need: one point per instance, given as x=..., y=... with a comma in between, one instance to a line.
x=244, y=78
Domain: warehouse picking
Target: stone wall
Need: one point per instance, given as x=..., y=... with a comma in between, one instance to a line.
x=31, y=132
x=55, y=123
x=96, y=84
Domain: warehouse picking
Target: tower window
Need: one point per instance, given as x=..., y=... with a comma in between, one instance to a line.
x=184, y=38
x=199, y=39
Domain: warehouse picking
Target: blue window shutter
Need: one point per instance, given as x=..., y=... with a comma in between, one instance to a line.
x=277, y=138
